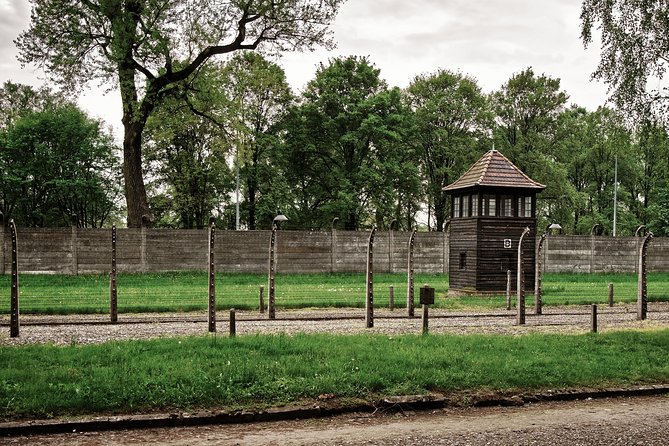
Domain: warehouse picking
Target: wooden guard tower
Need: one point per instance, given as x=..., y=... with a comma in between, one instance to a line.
x=492, y=203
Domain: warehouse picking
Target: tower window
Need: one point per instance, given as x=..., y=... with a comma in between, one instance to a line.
x=508, y=211
x=463, y=260
x=528, y=206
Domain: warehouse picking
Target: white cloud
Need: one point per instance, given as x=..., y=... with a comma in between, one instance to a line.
x=487, y=39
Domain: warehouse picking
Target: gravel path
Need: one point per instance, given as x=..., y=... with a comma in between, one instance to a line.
x=78, y=329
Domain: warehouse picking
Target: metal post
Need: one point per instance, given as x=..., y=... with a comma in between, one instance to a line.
x=369, y=282
x=537, y=276
x=593, y=318
x=333, y=245
x=410, y=289
x=270, y=285
x=610, y=294
x=520, y=281
x=212, y=278
x=391, y=246
x=508, y=289
x=642, y=291
x=74, y=245
x=2, y=244
x=391, y=298
x=615, y=197
x=113, y=293
x=262, y=299
x=142, y=246
x=14, y=310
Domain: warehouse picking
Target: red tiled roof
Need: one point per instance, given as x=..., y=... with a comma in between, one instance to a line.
x=494, y=169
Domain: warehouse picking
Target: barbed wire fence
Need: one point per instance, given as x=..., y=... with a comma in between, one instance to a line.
x=312, y=270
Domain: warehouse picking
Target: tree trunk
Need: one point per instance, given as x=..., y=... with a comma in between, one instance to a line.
x=135, y=192
x=440, y=210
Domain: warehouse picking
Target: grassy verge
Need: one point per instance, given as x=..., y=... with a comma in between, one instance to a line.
x=255, y=371
x=187, y=291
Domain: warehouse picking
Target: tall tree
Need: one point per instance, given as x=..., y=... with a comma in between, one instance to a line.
x=55, y=164
x=136, y=43
x=451, y=115
x=527, y=108
x=258, y=96
x=588, y=144
x=651, y=156
x=634, y=52
x=16, y=100
x=342, y=145
x=186, y=158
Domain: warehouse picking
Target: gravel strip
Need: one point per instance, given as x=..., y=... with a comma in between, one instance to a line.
x=92, y=329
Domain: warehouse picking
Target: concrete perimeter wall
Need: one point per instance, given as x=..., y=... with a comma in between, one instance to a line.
x=81, y=251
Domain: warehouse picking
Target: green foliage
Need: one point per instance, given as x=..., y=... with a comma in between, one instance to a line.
x=346, y=148
x=17, y=99
x=151, y=48
x=588, y=145
x=634, y=51
x=527, y=109
x=451, y=116
x=56, y=164
x=251, y=372
x=652, y=163
x=259, y=97
x=186, y=149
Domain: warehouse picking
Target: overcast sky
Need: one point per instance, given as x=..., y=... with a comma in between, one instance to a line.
x=487, y=39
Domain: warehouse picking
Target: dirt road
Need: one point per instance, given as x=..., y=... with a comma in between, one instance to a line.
x=621, y=421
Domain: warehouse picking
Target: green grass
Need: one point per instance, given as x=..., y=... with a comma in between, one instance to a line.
x=187, y=291
x=39, y=381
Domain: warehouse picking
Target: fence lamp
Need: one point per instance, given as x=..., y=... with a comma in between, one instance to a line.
x=278, y=219
x=554, y=227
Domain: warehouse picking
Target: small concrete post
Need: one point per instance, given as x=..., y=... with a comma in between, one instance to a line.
x=425, y=318
x=642, y=283
x=520, y=282
x=212, y=277
x=410, y=290
x=391, y=298
x=113, y=291
x=369, y=281
x=14, y=305
x=262, y=299
x=508, y=289
x=233, y=323
x=537, y=276
x=593, y=318
x=610, y=294
x=271, y=309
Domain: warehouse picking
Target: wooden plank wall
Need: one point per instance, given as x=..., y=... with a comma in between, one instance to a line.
x=463, y=241
x=494, y=259
x=82, y=251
